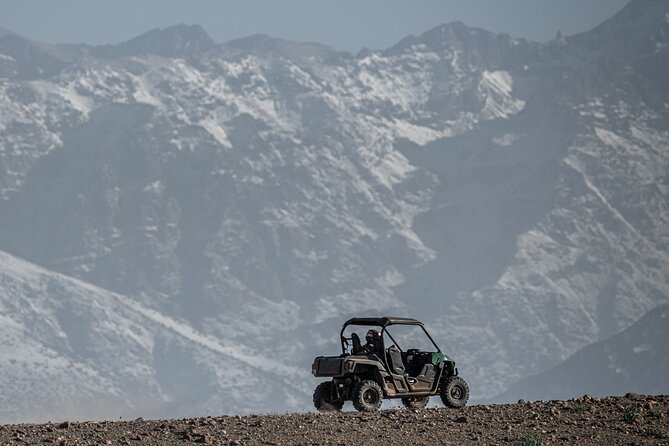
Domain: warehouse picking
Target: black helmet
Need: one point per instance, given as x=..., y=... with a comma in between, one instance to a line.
x=373, y=335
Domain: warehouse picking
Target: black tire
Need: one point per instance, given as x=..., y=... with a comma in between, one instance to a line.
x=323, y=401
x=367, y=396
x=454, y=392
x=415, y=402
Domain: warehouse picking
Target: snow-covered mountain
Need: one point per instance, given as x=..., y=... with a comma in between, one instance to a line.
x=72, y=350
x=511, y=193
x=635, y=360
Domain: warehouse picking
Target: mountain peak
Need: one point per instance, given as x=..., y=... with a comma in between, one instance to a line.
x=437, y=36
x=447, y=35
x=30, y=60
x=174, y=41
x=262, y=44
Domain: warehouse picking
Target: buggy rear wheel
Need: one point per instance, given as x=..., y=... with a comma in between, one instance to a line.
x=324, y=398
x=367, y=396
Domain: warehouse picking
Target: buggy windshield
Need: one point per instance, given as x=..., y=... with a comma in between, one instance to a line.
x=411, y=337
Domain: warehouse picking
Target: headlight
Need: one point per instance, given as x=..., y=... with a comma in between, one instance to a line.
x=349, y=366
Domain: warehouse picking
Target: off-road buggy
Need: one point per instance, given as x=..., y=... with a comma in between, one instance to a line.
x=366, y=378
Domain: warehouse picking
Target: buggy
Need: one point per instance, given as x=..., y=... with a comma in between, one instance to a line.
x=367, y=377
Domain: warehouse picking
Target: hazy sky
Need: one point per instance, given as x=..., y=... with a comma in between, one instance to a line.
x=343, y=24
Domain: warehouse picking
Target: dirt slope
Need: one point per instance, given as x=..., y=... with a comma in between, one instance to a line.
x=633, y=419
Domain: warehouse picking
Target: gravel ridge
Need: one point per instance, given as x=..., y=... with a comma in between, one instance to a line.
x=630, y=420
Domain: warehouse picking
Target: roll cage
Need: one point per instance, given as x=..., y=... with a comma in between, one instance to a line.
x=383, y=323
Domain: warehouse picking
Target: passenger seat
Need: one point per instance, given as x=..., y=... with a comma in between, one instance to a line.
x=395, y=360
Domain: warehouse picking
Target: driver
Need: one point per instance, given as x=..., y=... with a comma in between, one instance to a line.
x=373, y=344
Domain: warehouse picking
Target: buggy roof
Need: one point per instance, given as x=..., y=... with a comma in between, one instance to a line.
x=382, y=321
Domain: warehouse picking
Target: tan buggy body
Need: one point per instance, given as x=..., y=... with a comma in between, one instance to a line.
x=367, y=378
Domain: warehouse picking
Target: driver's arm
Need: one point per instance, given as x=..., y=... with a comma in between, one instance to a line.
x=368, y=348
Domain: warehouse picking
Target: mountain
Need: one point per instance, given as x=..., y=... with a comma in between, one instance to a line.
x=637, y=360
x=86, y=353
x=512, y=194
x=21, y=58
x=173, y=41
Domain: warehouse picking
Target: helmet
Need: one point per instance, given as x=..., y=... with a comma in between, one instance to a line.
x=372, y=335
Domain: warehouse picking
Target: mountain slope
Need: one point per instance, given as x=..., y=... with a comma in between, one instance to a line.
x=641, y=26
x=637, y=359
x=84, y=352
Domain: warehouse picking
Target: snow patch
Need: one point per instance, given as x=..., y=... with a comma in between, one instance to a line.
x=155, y=187
x=416, y=244
x=505, y=140
x=642, y=348
x=497, y=86
x=70, y=93
x=393, y=169
x=417, y=134
x=500, y=81
x=609, y=138
x=143, y=92
x=281, y=217
x=390, y=279
x=217, y=131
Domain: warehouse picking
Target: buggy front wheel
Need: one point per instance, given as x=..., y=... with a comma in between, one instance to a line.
x=454, y=392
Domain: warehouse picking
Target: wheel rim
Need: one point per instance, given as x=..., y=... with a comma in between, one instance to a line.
x=370, y=396
x=457, y=392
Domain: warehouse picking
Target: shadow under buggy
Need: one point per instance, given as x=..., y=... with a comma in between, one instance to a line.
x=367, y=374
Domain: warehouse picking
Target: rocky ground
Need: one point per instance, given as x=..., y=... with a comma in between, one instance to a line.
x=630, y=420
